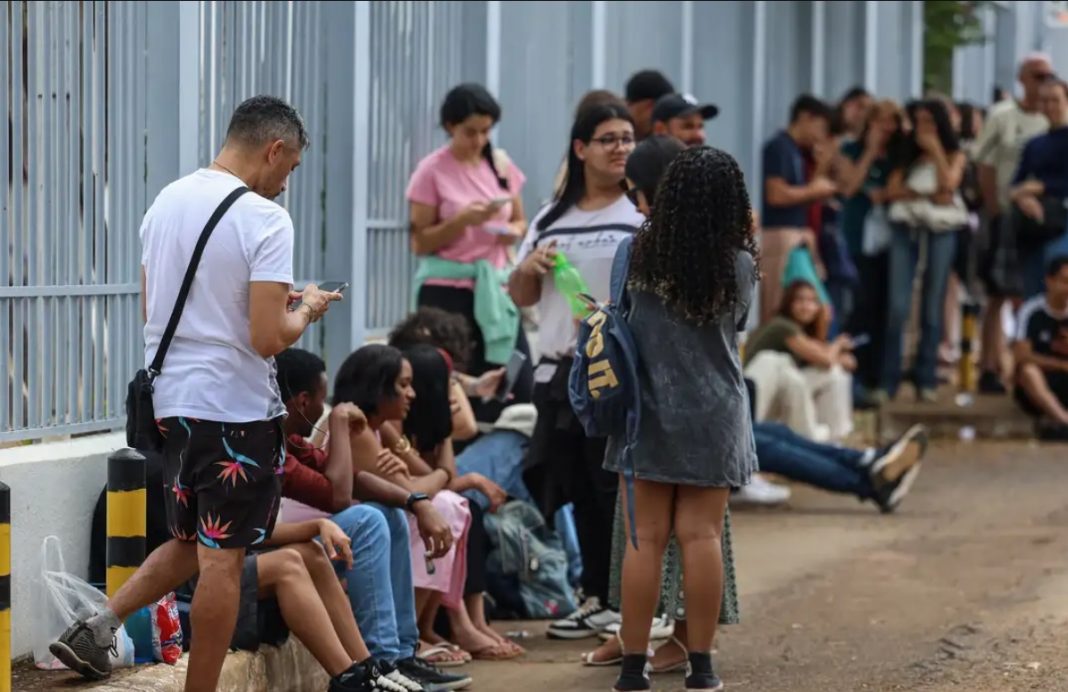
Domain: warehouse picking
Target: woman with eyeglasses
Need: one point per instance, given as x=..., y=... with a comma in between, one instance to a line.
x=586, y=222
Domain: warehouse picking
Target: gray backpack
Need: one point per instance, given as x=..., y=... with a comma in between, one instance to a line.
x=526, y=552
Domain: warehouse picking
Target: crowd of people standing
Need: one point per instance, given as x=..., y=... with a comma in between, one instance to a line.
x=428, y=436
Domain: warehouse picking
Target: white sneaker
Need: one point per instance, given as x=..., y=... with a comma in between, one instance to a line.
x=760, y=491
x=662, y=628
x=590, y=619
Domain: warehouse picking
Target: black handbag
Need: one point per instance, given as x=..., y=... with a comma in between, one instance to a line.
x=1054, y=224
x=141, y=430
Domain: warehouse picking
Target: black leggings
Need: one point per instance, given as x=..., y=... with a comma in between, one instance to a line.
x=478, y=548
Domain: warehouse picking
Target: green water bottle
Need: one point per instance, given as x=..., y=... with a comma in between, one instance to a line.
x=570, y=283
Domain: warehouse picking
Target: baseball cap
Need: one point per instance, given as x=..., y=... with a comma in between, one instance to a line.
x=679, y=105
x=647, y=84
x=647, y=163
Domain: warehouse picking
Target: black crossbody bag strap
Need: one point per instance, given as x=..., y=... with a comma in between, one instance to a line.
x=183, y=293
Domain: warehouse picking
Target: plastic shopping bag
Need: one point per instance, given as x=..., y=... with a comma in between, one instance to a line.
x=156, y=632
x=61, y=599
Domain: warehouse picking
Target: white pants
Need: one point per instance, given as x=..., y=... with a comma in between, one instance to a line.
x=814, y=402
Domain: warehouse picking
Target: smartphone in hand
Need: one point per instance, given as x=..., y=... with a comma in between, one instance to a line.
x=333, y=286
x=511, y=375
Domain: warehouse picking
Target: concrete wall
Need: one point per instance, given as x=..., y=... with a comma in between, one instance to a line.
x=54, y=488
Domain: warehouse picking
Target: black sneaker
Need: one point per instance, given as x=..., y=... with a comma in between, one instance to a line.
x=1050, y=431
x=896, y=459
x=890, y=495
x=700, y=676
x=633, y=674
x=78, y=650
x=364, y=677
x=990, y=383
x=589, y=620
x=430, y=677
x=391, y=673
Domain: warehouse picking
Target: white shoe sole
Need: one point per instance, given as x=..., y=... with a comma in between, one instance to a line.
x=903, y=489
x=571, y=634
x=905, y=454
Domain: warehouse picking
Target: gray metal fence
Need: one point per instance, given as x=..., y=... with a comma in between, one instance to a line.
x=108, y=102
x=72, y=196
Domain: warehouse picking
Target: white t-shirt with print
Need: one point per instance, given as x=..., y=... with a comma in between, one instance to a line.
x=589, y=240
x=1000, y=144
x=211, y=372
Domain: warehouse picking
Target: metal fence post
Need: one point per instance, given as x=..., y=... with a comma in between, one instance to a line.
x=5, y=588
x=126, y=521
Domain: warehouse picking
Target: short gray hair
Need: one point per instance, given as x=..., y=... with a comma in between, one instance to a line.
x=263, y=119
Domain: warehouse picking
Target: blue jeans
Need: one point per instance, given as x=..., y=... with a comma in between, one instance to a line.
x=380, y=582
x=499, y=457
x=836, y=469
x=1033, y=263
x=905, y=247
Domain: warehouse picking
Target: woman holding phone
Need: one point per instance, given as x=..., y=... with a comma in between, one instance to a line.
x=586, y=222
x=466, y=212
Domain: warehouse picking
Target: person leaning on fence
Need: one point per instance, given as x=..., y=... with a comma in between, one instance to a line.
x=216, y=400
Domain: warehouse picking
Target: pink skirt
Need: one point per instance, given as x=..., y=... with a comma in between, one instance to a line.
x=450, y=570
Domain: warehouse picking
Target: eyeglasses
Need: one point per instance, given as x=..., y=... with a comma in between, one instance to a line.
x=632, y=195
x=612, y=142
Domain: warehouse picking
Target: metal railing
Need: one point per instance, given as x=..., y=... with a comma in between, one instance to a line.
x=106, y=102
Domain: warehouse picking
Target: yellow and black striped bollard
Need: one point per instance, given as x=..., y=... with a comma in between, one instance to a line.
x=5, y=588
x=126, y=517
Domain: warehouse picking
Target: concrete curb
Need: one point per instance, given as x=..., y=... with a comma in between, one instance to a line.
x=273, y=669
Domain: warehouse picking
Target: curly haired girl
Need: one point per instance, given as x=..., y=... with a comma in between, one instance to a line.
x=692, y=277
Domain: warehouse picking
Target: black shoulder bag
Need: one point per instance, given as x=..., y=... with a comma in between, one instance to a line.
x=141, y=430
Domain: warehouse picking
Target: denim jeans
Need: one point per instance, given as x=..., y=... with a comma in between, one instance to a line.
x=380, y=581
x=499, y=456
x=836, y=469
x=939, y=249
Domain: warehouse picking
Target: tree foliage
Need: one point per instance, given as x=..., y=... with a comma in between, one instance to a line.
x=948, y=25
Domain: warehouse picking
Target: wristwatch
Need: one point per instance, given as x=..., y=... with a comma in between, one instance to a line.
x=413, y=498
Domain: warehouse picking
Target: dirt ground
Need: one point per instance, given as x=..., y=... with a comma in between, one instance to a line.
x=966, y=588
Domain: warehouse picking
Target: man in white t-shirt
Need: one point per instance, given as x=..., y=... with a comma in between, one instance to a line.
x=216, y=399
x=1008, y=127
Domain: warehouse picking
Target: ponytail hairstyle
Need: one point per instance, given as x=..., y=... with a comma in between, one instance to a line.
x=585, y=125
x=469, y=99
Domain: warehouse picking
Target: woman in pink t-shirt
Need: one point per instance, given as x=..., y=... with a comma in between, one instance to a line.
x=466, y=212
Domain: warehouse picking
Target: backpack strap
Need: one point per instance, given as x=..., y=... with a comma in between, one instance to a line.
x=187, y=282
x=617, y=292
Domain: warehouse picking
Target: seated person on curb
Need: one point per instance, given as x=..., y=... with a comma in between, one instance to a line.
x=498, y=452
x=378, y=379
x=1041, y=354
x=428, y=426
x=291, y=588
x=883, y=475
x=321, y=477
x=801, y=378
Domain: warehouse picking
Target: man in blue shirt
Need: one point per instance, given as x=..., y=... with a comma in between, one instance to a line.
x=788, y=192
x=1043, y=175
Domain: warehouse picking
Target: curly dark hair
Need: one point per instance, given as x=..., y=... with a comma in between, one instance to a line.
x=445, y=330
x=686, y=252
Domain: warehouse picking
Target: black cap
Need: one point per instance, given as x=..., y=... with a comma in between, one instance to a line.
x=647, y=84
x=650, y=159
x=679, y=105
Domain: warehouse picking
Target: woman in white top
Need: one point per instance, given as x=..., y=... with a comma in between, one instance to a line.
x=926, y=211
x=586, y=222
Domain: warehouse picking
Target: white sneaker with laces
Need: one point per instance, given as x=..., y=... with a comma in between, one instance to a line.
x=662, y=628
x=760, y=491
x=590, y=619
